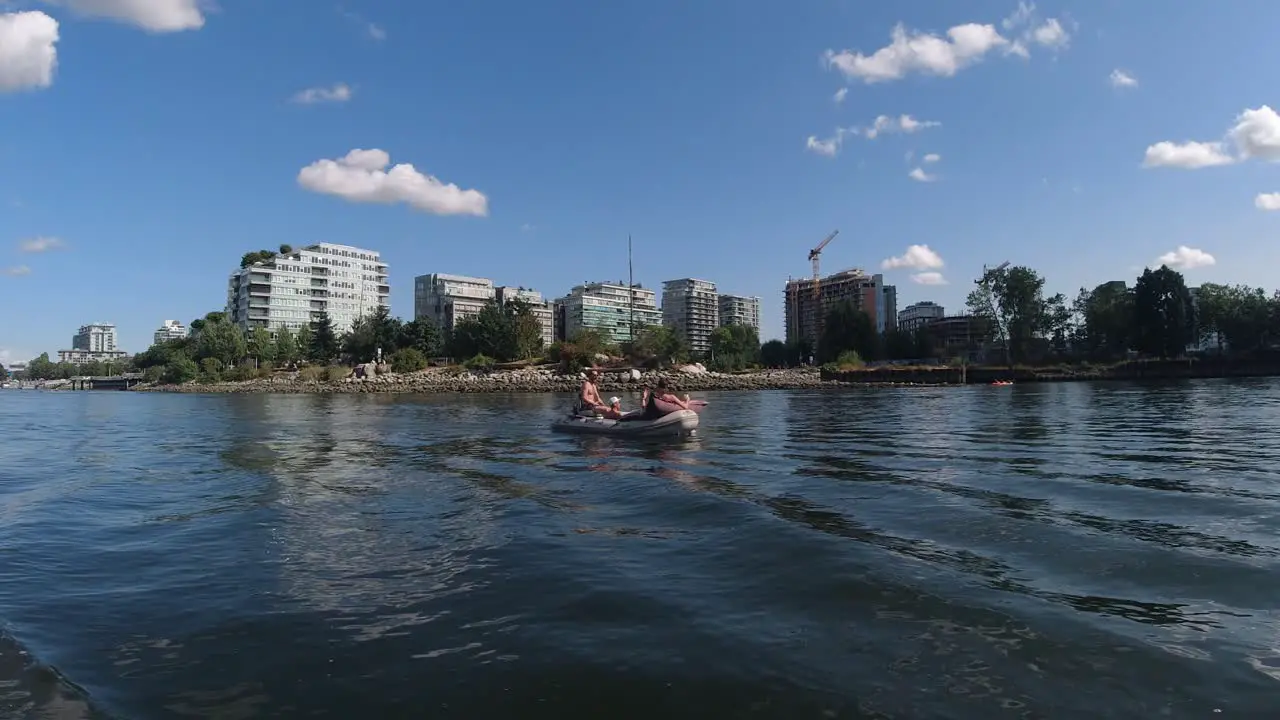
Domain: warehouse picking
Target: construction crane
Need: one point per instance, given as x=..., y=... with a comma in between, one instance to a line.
x=814, y=256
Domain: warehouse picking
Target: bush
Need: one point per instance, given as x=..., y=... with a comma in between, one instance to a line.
x=211, y=369
x=407, y=360
x=153, y=373
x=572, y=358
x=335, y=373
x=311, y=373
x=240, y=374
x=479, y=362
x=265, y=370
x=848, y=360
x=179, y=370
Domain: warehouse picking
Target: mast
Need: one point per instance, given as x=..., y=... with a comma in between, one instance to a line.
x=631, y=293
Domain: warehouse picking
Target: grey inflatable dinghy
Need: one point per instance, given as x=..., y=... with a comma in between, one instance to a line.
x=675, y=424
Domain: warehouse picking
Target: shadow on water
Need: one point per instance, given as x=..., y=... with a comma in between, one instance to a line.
x=33, y=691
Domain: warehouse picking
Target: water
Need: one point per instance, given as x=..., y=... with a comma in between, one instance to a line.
x=1074, y=550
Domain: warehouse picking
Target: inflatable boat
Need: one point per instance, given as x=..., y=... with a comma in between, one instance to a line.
x=679, y=423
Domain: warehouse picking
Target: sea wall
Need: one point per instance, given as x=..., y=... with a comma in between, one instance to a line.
x=982, y=374
x=528, y=380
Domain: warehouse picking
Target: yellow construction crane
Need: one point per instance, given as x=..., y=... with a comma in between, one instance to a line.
x=814, y=256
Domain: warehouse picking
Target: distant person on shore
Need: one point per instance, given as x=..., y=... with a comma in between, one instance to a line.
x=589, y=399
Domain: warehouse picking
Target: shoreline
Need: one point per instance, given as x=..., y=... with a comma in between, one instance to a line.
x=542, y=380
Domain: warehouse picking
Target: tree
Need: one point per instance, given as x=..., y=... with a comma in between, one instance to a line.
x=1236, y=316
x=735, y=347
x=774, y=354
x=286, y=347
x=1105, y=320
x=324, y=338
x=4, y=373
x=220, y=339
x=899, y=345
x=250, y=258
x=1012, y=299
x=304, y=340
x=508, y=331
x=1163, y=316
x=656, y=345
x=41, y=368
x=848, y=328
x=260, y=346
x=406, y=360
x=421, y=335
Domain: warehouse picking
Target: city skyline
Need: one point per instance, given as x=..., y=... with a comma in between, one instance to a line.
x=1081, y=140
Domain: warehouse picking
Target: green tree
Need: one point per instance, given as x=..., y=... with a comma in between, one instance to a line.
x=222, y=340
x=304, y=340
x=408, y=359
x=1012, y=299
x=4, y=373
x=421, y=335
x=773, y=354
x=1163, y=316
x=1105, y=328
x=41, y=368
x=260, y=346
x=657, y=345
x=1237, y=317
x=286, y=347
x=359, y=344
x=250, y=258
x=324, y=339
x=848, y=328
x=180, y=370
x=734, y=347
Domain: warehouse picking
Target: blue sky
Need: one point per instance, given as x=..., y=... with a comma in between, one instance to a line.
x=169, y=140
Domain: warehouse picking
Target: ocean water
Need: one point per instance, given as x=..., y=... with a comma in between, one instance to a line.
x=1102, y=550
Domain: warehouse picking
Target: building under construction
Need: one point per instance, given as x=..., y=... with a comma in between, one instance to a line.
x=804, y=314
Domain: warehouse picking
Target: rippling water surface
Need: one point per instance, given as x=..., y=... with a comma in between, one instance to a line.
x=1070, y=551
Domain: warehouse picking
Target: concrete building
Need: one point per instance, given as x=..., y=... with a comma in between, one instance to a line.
x=169, y=330
x=690, y=307
x=95, y=341
x=542, y=310
x=609, y=308
x=867, y=292
x=290, y=290
x=961, y=336
x=447, y=299
x=739, y=310
x=917, y=315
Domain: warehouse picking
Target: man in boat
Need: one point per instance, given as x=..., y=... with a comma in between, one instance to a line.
x=589, y=400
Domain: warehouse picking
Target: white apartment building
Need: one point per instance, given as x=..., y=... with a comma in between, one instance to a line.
x=739, y=310
x=917, y=315
x=541, y=308
x=690, y=307
x=446, y=299
x=95, y=341
x=290, y=290
x=613, y=309
x=169, y=330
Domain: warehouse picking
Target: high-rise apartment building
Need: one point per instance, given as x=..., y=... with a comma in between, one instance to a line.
x=541, y=308
x=804, y=313
x=169, y=330
x=690, y=307
x=887, y=318
x=95, y=341
x=290, y=290
x=917, y=315
x=613, y=309
x=739, y=310
x=447, y=299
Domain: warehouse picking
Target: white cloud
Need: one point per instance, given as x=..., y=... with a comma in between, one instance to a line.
x=40, y=244
x=1186, y=258
x=28, y=57
x=828, y=147
x=1267, y=201
x=885, y=124
x=16, y=271
x=1256, y=134
x=932, y=158
x=1050, y=33
x=151, y=15
x=840, y=95
x=919, y=52
x=920, y=175
x=928, y=278
x=526, y=227
x=1122, y=79
x=376, y=31
x=917, y=257
x=1188, y=155
x=340, y=92
x=360, y=177
x=9, y=356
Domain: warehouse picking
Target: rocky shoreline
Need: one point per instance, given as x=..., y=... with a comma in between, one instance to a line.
x=526, y=380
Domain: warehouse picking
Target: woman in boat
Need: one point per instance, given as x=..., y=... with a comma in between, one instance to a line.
x=661, y=391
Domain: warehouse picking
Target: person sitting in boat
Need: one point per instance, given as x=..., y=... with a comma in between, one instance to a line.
x=589, y=400
x=661, y=391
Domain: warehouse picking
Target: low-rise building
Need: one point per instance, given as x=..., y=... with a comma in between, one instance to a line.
x=613, y=309
x=448, y=299
x=917, y=315
x=169, y=330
